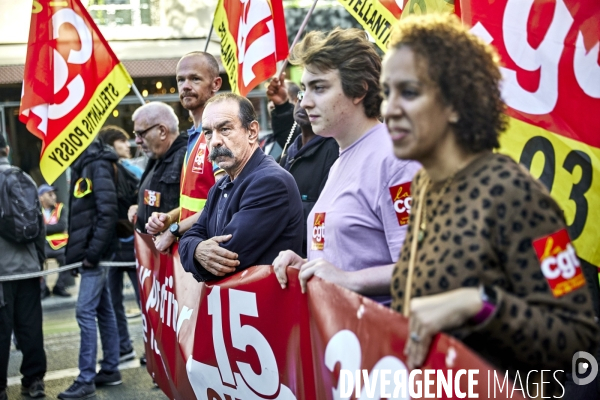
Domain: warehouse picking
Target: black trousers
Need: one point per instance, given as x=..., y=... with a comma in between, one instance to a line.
x=23, y=314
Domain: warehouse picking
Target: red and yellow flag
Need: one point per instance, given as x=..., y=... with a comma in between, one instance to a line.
x=253, y=39
x=549, y=52
x=378, y=16
x=72, y=82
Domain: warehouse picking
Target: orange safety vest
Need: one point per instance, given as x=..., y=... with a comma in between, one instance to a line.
x=58, y=240
x=196, y=179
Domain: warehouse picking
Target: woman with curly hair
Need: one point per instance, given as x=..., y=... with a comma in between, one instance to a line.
x=471, y=265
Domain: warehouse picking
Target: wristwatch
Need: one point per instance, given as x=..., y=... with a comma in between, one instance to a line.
x=174, y=229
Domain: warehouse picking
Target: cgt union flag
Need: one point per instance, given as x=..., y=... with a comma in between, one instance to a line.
x=72, y=82
x=253, y=39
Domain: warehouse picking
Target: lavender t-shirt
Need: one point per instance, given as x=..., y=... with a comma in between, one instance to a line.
x=360, y=218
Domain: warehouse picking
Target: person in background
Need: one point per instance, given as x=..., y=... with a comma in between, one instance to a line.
x=56, y=238
x=309, y=157
x=117, y=138
x=284, y=98
x=357, y=226
x=479, y=261
x=198, y=80
x=93, y=238
x=156, y=131
x=20, y=303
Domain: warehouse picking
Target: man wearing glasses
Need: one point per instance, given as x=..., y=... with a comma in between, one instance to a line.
x=156, y=131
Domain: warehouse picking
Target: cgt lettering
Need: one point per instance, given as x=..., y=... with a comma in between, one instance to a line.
x=403, y=205
x=319, y=233
x=564, y=264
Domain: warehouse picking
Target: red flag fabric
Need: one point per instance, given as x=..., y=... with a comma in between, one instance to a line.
x=551, y=70
x=253, y=39
x=72, y=82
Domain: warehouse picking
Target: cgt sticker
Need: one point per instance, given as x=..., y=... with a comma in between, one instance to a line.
x=559, y=263
x=151, y=198
x=318, y=232
x=198, y=166
x=402, y=202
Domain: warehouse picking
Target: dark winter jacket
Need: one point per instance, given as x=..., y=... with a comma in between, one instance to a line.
x=93, y=213
x=59, y=227
x=282, y=119
x=309, y=165
x=165, y=180
x=260, y=208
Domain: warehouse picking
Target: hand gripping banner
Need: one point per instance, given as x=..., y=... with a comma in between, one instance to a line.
x=253, y=39
x=246, y=338
x=72, y=82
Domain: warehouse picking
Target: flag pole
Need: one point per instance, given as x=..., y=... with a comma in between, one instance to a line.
x=300, y=32
x=137, y=93
x=212, y=22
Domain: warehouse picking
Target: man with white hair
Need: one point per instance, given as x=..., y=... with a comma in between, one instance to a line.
x=156, y=131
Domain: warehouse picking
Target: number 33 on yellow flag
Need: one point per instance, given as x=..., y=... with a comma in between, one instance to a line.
x=549, y=58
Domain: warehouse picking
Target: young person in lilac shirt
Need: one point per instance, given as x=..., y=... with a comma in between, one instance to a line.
x=365, y=203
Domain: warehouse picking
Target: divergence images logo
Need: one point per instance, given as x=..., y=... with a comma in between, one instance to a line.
x=583, y=367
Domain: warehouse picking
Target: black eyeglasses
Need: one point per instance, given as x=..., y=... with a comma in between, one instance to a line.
x=142, y=134
x=300, y=95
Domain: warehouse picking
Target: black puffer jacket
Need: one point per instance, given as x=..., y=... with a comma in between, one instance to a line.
x=93, y=216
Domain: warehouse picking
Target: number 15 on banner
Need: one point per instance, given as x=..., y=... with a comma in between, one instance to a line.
x=221, y=382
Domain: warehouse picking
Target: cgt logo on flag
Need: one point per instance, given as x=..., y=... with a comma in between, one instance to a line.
x=253, y=39
x=402, y=202
x=72, y=82
x=559, y=263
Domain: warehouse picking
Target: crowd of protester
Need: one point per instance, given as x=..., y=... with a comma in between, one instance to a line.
x=458, y=258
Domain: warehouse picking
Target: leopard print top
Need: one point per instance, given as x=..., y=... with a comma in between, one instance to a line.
x=481, y=232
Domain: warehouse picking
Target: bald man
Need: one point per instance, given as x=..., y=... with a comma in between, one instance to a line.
x=197, y=81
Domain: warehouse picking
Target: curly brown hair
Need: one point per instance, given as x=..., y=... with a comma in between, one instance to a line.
x=466, y=71
x=350, y=52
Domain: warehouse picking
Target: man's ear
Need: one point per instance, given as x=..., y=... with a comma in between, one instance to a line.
x=217, y=82
x=164, y=133
x=253, y=131
x=357, y=100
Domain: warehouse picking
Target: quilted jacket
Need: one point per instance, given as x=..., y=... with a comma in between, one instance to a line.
x=93, y=206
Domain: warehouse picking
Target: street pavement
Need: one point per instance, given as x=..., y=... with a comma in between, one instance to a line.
x=61, y=341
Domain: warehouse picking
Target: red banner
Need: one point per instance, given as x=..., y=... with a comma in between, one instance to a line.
x=72, y=82
x=253, y=39
x=246, y=338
